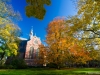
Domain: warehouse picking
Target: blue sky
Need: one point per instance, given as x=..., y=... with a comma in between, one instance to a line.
x=58, y=8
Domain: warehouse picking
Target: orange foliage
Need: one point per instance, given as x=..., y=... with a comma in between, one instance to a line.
x=58, y=41
x=42, y=54
x=80, y=54
x=61, y=44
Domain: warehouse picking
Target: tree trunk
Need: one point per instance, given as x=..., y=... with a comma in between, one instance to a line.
x=2, y=60
x=58, y=67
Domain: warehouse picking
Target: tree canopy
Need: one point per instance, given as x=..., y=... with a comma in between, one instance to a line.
x=61, y=46
x=74, y=40
x=86, y=25
x=9, y=32
x=35, y=8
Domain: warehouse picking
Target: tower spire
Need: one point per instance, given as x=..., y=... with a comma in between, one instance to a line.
x=31, y=33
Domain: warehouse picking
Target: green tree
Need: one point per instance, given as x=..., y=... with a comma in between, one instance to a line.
x=35, y=8
x=9, y=32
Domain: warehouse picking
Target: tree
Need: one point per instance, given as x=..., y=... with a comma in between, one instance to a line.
x=56, y=42
x=90, y=21
x=35, y=8
x=7, y=12
x=59, y=42
x=86, y=26
x=80, y=54
x=42, y=55
x=90, y=17
x=9, y=32
x=87, y=40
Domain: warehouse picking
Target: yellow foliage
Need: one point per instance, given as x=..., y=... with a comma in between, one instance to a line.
x=61, y=44
x=7, y=35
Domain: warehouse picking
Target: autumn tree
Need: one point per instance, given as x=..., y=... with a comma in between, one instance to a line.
x=42, y=55
x=35, y=8
x=90, y=16
x=58, y=42
x=87, y=51
x=87, y=25
x=79, y=55
x=9, y=32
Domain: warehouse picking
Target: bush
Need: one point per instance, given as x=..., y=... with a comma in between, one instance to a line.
x=2, y=66
x=16, y=63
x=52, y=65
x=6, y=67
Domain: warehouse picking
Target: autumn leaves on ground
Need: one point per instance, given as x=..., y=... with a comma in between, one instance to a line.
x=73, y=41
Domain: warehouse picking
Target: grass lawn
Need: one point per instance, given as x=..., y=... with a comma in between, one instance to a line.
x=41, y=71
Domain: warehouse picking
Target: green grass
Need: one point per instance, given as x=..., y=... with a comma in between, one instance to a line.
x=41, y=71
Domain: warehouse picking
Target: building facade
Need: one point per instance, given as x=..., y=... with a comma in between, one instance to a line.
x=30, y=49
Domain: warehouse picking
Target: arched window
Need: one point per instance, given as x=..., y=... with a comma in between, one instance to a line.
x=37, y=53
x=31, y=52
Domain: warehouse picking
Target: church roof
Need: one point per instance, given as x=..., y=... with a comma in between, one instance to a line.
x=21, y=38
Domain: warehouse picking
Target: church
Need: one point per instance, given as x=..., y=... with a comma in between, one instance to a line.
x=29, y=49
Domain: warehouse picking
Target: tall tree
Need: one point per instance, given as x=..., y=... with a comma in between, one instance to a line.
x=62, y=45
x=35, y=8
x=9, y=32
x=90, y=11
x=56, y=41
x=87, y=25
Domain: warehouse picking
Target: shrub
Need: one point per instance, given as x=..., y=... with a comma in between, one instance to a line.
x=16, y=63
x=52, y=65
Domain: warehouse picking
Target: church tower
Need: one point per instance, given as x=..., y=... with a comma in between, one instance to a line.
x=31, y=33
x=32, y=49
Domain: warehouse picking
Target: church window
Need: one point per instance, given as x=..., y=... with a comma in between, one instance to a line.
x=37, y=53
x=31, y=52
